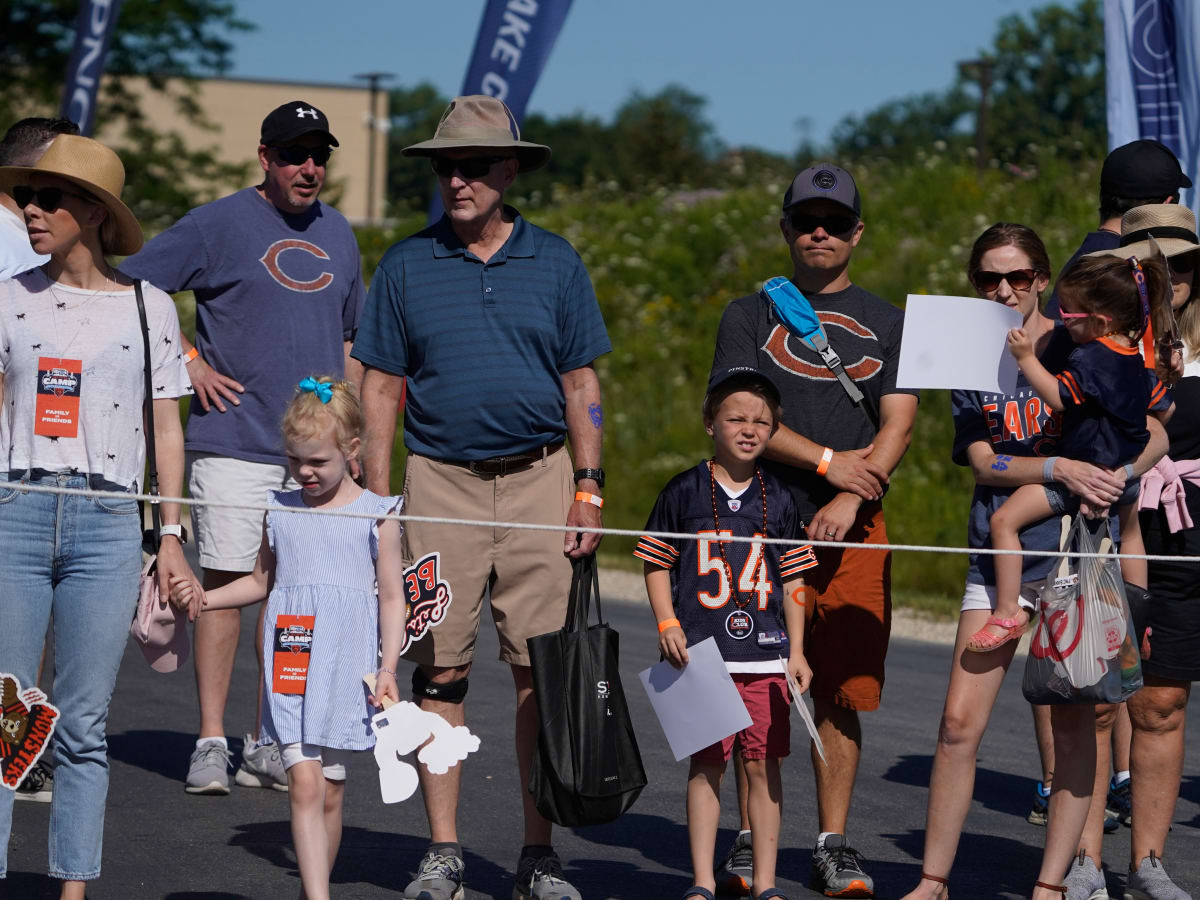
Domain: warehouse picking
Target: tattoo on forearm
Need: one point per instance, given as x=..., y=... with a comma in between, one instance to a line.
x=596, y=414
x=1001, y=463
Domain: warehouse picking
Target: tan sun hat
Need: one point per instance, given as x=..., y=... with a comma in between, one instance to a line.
x=1172, y=225
x=93, y=167
x=480, y=121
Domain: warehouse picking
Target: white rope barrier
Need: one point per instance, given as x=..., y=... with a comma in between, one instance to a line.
x=90, y=493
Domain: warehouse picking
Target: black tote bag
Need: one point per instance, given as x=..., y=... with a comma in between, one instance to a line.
x=587, y=769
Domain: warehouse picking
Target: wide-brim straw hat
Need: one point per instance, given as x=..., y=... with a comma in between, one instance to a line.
x=478, y=121
x=93, y=167
x=1172, y=225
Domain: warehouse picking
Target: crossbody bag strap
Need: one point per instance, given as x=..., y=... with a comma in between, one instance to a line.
x=148, y=415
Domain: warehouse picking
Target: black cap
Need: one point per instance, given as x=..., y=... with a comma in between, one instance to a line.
x=293, y=120
x=824, y=181
x=748, y=373
x=1142, y=170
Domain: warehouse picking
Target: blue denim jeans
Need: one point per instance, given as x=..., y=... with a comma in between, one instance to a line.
x=79, y=559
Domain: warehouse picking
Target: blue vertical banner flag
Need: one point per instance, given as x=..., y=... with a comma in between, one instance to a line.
x=93, y=33
x=1152, y=62
x=514, y=41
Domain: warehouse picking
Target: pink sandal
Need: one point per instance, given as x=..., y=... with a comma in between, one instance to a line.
x=984, y=641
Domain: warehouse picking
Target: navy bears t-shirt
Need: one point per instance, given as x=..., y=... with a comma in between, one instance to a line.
x=276, y=297
x=701, y=586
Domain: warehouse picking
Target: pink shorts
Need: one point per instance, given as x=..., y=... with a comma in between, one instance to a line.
x=770, y=733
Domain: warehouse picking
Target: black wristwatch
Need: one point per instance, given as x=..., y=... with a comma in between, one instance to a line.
x=597, y=475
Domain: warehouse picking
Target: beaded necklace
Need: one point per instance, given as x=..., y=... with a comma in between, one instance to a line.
x=735, y=589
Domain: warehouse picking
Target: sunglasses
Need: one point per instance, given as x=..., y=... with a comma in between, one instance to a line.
x=297, y=156
x=1066, y=315
x=48, y=199
x=807, y=223
x=471, y=167
x=1183, y=263
x=1018, y=279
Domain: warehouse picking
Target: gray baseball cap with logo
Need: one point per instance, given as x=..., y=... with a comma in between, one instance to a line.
x=824, y=181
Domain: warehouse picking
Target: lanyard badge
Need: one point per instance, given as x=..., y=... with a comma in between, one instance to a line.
x=56, y=411
x=293, y=650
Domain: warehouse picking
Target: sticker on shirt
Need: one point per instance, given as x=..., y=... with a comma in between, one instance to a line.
x=293, y=650
x=26, y=723
x=739, y=625
x=56, y=413
x=427, y=595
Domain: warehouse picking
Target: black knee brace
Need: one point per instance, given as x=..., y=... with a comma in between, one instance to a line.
x=447, y=692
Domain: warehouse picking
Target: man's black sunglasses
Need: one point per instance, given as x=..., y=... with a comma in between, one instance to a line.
x=807, y=223
x=471, y=167
x=48, y=198
x=296, y=156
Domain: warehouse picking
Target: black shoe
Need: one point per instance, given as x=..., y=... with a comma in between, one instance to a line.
x=1041, y=806
x=1119, y=805
x=38, y=785
x=837, y=870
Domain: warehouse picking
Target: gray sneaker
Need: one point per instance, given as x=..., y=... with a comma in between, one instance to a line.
x=1151, y=882
x=439, y=878
x=735, y=873
x=540, y=878
x=37, y=785
x=208, y=770
x=261, y=766
x=1085, y=881
x=837, y=870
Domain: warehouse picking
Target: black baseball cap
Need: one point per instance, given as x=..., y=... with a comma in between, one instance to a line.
x=748, y=373
x=1142, y=169
x=824, y=181
x=292, y=120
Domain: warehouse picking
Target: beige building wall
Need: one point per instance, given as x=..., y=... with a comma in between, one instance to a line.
x=236, y=109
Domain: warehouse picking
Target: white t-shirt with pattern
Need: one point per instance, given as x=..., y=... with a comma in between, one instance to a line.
x=101, y=329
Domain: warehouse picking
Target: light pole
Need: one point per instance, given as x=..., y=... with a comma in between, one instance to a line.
x=372, y=79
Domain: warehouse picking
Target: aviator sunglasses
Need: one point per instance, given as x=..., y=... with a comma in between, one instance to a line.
x=296, y=156
x=471, y=167
x=48, y=199
x=1018, y=279
x=807, y=223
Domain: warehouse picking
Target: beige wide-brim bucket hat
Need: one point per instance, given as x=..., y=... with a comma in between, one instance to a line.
x=93, y=167
x=478, y=121
x=1172, y=225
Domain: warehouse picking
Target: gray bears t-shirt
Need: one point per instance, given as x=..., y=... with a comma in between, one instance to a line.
x=864, y=330
x=276, y=296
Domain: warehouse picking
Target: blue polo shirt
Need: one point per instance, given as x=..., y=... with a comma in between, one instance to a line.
x=483, y=345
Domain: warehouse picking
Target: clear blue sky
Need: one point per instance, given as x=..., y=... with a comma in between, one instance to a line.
x=764, y=65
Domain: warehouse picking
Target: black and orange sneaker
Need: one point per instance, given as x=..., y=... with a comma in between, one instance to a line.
x=837, y=870
x=734, y=874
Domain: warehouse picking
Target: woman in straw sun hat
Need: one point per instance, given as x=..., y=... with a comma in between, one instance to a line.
x=71, y=391
x=1167, y=618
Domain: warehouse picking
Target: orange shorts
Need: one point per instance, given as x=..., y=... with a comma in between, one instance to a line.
x=849, y=596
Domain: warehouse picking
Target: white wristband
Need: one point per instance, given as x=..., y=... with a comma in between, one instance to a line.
x=1048, y=468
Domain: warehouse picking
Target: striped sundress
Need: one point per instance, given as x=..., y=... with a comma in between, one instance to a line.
x=325, y=567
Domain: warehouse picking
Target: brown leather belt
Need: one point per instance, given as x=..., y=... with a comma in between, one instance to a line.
x=504, y=465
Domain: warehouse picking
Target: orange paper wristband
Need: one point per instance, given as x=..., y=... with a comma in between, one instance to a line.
x=823, y=465
x=598, y=502
x=668, y=623
x=190, y=355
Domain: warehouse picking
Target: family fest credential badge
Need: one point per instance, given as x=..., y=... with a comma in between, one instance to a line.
x=26, y=723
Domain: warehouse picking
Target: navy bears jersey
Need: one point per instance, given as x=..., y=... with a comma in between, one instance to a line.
x=734, y=604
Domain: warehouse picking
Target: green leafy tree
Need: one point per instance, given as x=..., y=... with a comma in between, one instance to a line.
x=663, y=138
x=158, y=39
x=414, y=113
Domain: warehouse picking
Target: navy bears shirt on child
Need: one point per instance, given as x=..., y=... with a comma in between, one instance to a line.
x=706, y=602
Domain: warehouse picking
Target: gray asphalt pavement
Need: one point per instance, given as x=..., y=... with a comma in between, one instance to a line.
x=163, y=843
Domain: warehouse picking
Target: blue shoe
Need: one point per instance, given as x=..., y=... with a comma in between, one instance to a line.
x=1041, y=806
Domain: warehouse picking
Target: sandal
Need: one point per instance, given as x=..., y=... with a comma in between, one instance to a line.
x=772, y=892
x=696, y=891
x=1060, y=888
x=944, y=882
x=984, y=641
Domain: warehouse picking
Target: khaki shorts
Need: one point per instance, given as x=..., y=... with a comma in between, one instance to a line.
x=529, y=575
x=852, y=619
x=228, y=539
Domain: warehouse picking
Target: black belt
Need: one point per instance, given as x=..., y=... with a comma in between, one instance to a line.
x=503, y=465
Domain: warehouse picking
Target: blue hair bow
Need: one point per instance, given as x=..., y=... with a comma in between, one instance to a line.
x=323, y=389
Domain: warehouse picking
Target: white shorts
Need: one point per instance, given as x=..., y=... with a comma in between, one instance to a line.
x=983, y=596
x=228, y=539
x=333, y=762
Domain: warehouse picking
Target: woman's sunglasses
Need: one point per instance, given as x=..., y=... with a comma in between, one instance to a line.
x=47, y=199
x=471, y=167
x=1018, y=279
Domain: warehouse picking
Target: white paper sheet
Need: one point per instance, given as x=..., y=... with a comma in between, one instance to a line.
x=957, y=342
x=697, y=705
x=802, y=708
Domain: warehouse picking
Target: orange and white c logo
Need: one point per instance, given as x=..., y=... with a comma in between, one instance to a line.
x=270, y=259
x=777, y=348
